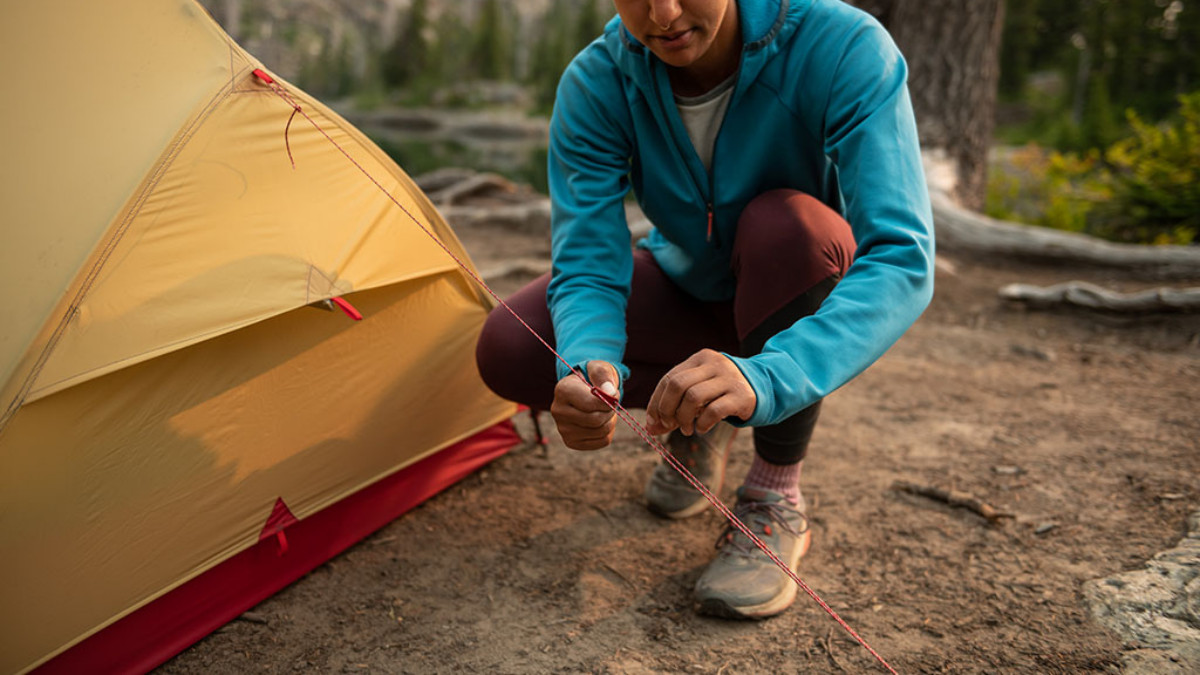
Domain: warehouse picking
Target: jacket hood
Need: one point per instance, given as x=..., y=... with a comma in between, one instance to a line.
x=764, y=23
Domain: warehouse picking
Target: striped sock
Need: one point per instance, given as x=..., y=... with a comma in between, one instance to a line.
x=781, y=478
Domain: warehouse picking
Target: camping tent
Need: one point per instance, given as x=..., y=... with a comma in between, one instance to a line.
x=184, y=428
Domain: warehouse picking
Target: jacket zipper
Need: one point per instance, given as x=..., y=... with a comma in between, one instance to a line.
x=712, y=174
x=708, y=205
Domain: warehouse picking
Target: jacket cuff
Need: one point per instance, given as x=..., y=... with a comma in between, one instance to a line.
x=763, y=393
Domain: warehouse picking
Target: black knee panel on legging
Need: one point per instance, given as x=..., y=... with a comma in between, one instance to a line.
x=786, y=442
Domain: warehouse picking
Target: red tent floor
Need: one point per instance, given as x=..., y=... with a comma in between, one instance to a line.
x=154, y=633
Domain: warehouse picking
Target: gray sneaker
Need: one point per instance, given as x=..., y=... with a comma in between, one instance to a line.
x=742, y=582
x=668, y=493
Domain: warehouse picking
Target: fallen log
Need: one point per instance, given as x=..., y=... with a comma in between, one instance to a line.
x=961, y=229
x=1091, y=296
x=440, y=179
x=470, y=186
x=528, y=266
x=531, y=217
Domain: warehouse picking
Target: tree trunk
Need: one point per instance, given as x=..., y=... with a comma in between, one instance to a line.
x=953, y=53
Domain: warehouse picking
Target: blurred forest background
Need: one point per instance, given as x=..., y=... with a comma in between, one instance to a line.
x=1085, y=114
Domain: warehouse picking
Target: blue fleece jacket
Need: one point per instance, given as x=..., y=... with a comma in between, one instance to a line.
x=820, y=105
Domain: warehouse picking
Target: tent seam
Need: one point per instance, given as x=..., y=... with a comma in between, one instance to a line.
x=160, y=169
x=169, y=347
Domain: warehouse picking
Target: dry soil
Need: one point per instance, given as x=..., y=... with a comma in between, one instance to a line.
x=1082, y=425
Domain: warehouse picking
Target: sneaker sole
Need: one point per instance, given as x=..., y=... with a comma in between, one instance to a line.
x=701, y=503
x=768, y=609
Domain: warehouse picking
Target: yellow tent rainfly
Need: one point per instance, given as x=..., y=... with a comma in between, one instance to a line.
x=183, y=429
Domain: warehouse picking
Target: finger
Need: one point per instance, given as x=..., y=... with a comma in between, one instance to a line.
x=603, y=375
x=655, y=426
x=575, y=393
x=695, y=402
x=716, y=411
x=683, y=396
x=590, y=445
x=573, y=417
x=669, y=392
x=587, y=439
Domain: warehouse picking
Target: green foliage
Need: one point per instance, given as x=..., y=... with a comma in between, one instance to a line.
x=562, y=34
x=1046, y=188
x=492, y=54
x=453, y=44
x=418, y=157
x=589, y=24
x=551, y=54
x=1021, y=23
x=1144, y=188
x=1109, y=56
x=330, y=73
x=406, y=61
x=1156, y=180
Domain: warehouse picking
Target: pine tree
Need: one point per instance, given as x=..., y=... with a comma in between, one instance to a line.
x=588, y=25
x=492, y=52
x=1016, y=50
x=454, y=45
x=549, y=54
x=406, y=60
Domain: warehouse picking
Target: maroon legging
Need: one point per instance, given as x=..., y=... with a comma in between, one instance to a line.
x=788, y=253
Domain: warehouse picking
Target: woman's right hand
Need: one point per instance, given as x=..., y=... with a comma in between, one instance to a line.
x=584, y=421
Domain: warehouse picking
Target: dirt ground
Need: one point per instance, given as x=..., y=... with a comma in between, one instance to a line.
x=1082, y=425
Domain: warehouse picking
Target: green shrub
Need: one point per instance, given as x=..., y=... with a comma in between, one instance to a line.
x=1144, y=188
x=1046, y=188
x=1155, y=177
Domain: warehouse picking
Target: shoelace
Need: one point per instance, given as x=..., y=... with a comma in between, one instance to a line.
x=771, y=512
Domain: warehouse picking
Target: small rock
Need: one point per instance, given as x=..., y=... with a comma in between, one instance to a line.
x=1005, y=470
x=1044, y=528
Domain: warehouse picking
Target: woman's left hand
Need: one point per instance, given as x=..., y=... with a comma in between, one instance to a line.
x=696, y=394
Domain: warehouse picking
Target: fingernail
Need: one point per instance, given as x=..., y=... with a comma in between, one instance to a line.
x=651, y=419
x=609, y=388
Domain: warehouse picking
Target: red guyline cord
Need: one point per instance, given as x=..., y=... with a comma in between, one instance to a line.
x=611, y=401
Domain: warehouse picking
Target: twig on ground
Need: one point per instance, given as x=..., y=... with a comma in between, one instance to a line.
x=617, y=572
x=254, y=617
x=827, y=643
x=953, y=498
